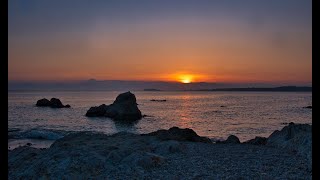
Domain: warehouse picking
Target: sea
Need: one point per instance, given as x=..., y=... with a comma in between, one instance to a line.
x=209, y=113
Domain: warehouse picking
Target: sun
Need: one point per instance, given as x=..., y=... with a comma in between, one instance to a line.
x=185, y=80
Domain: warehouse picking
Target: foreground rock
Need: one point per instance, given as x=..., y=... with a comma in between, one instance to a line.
x=87, y=155
x=54, y=103
x=124, y=108
x=232, y=139
x=178, y=134
x=296, y=138
x=257, y=141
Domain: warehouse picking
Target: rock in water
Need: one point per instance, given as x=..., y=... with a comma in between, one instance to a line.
x=124, y=108
x=43, y=102
x=54, y=103
x=97, y=111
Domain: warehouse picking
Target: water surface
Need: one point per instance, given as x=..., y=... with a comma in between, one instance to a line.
x=212, y=114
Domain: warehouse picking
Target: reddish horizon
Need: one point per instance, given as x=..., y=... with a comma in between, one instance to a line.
x=211, y=42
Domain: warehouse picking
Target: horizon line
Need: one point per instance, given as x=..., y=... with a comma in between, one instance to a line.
x=158, y=81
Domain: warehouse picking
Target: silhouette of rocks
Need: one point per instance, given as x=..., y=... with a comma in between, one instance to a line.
x=43, y=102
x=178, y=134
x=309, y=107
x=232, y=139
x=159, y=100
x=257, y=141
x=97, y=111
x=54, y=103
x=124, y=108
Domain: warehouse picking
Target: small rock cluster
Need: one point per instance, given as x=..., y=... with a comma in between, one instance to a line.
x=54, y=103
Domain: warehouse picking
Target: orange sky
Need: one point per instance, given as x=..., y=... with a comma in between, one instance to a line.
x=219, y=49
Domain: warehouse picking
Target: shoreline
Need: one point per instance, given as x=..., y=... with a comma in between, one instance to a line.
x=166, y=154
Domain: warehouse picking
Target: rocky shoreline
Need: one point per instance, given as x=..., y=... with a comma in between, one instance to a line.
x=167, y=154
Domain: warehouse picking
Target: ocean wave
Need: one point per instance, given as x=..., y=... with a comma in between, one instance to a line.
x=46, y=134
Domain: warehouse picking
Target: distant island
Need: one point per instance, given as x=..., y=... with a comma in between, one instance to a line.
x=152, y=90
x=118, y=85
x=275, y=89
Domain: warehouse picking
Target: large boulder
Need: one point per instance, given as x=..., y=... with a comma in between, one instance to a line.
x=43, y=102
x=124, y=108
x=178, y=134
x=54, y=103
x=296, y=138
x=232, y=139
x=97, y=111
x=257, y=141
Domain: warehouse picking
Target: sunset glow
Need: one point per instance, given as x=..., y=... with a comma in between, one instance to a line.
x=185, y=78
x=212, y=41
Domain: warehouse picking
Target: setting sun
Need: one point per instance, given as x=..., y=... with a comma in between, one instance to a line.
x=185, y=78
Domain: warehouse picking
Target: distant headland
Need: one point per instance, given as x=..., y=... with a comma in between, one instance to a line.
x=120, y=85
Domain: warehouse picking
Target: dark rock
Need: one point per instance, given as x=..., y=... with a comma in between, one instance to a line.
x=43, y=102
x=29, y=144
x=158, y=100
x=309, y=107
x=144, y=159
x=231, y=139
x=97, y=111
x=295, y=138
x=178, y=134
x=257, y=141
x=54, y=103
x=168, y=147
x=222, y=106
x=124, y=108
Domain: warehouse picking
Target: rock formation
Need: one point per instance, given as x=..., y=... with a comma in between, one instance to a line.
x=124, y=108
x=294, y=137
x=179, y=134
x=54, y=103
x=231, y=139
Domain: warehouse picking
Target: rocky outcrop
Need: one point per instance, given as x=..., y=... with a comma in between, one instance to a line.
x=43, y=102
x=54, y=103
x=178, y=134
x=294, y=137
x=88, y=155
x=97, y=111
x=232, y=139
x=124, y=108
x=257, y=141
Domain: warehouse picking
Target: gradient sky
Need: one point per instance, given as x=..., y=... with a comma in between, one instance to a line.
x=212, y=41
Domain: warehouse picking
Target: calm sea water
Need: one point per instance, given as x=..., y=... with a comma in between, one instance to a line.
x=244, y=114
